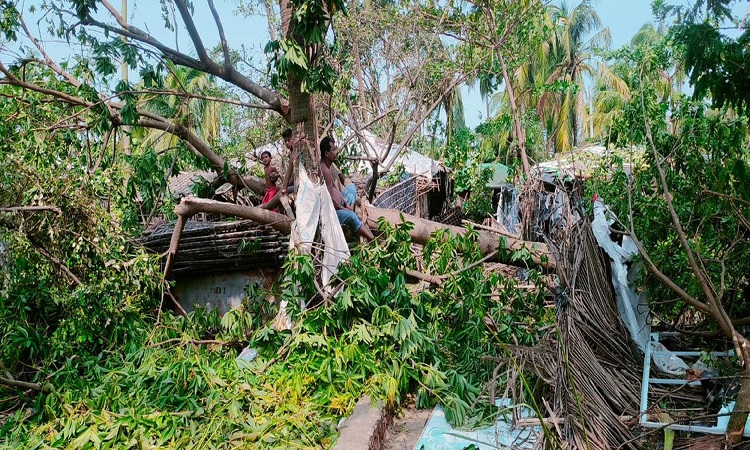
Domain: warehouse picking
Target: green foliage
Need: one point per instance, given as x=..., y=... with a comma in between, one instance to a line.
x=84, y=8
x=378, y=336
x=714, y=61
x=287, y=56
x=71, y=276
x=165, y=392
x=78, y=295
x=9, y=20
x=496, y=142
x=395, y=340
x=479, y=204
x=310, y=22
x=148, y=182
x=395, y=175
x=465, y=158
x=716, y=64
x=705, y=161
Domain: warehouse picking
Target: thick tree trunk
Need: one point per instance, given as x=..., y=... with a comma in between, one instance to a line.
x=488, y=242
x=303, y=119
x=190, y=206
x=301, y=104
x=519, y=130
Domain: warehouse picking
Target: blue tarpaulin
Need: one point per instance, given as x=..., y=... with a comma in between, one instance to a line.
x=439, y=435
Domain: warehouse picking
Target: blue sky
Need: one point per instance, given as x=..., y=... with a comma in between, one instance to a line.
x=623, y=17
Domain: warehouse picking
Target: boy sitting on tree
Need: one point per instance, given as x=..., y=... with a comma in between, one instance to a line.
x=272, y=176
x=344, y=206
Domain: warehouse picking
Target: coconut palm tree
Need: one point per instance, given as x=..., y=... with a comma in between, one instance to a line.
x=610, y=95
x=614, y=83
x=551, y=81
x=189, y=104
x=578, y=32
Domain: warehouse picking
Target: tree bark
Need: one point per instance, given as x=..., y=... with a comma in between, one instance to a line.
x=190, y=206
x=23, y=384
x=520, y=132
x=303, y=120
x=301, y=104
x=736, y=425
x=488, y=241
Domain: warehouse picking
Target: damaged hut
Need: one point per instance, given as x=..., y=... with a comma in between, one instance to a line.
x=217, y=260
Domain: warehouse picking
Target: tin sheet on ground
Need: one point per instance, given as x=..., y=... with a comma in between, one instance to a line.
x=439, y=435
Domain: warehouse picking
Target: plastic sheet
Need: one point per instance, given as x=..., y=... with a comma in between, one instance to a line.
x=439, y=435
x=314, y=206
x=667, y=361
x=632, y=307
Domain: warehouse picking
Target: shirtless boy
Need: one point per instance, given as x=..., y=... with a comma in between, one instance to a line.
x=344, y=209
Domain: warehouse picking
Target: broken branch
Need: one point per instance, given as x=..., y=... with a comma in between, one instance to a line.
x=31, y=208
x=488, y=242
x=23, y=384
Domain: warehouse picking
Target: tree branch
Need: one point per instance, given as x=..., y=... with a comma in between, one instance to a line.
x=272, y=98
x=193, y=32
x=148, y=120
x=192, y=205
x=56, y=262
x=23, y=384
x=717, y=309
x=49, y=61
x=664, y=279
x=11, y=79
x=220, y=27
x=188, y=95
x=728, y=197
x=31, y=208
x=189, y=206
x=190, y=341
x=488, y=242
x=177, y=305
x=136, y=34
x=438, y=279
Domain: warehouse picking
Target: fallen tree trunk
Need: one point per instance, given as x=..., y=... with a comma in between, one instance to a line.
x=190, y=206
x=488, y=241
x=254, y=184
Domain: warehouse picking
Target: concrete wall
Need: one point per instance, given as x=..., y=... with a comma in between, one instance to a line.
x=223, y=291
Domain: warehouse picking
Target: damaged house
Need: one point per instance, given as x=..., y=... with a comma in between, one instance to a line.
x=218, y=259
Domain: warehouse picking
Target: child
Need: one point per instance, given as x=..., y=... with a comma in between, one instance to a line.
x=272, y=175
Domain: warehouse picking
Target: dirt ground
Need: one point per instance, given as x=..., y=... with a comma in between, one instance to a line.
x=404, y=431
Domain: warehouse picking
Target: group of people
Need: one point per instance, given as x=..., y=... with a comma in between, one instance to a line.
x=343, y=195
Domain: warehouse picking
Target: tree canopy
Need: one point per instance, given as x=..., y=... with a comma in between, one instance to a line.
x=92, y=357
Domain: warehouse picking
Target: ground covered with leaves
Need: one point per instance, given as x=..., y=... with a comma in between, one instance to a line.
x=175, y=382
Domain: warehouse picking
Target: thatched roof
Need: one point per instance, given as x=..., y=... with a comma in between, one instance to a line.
x=210, y=247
